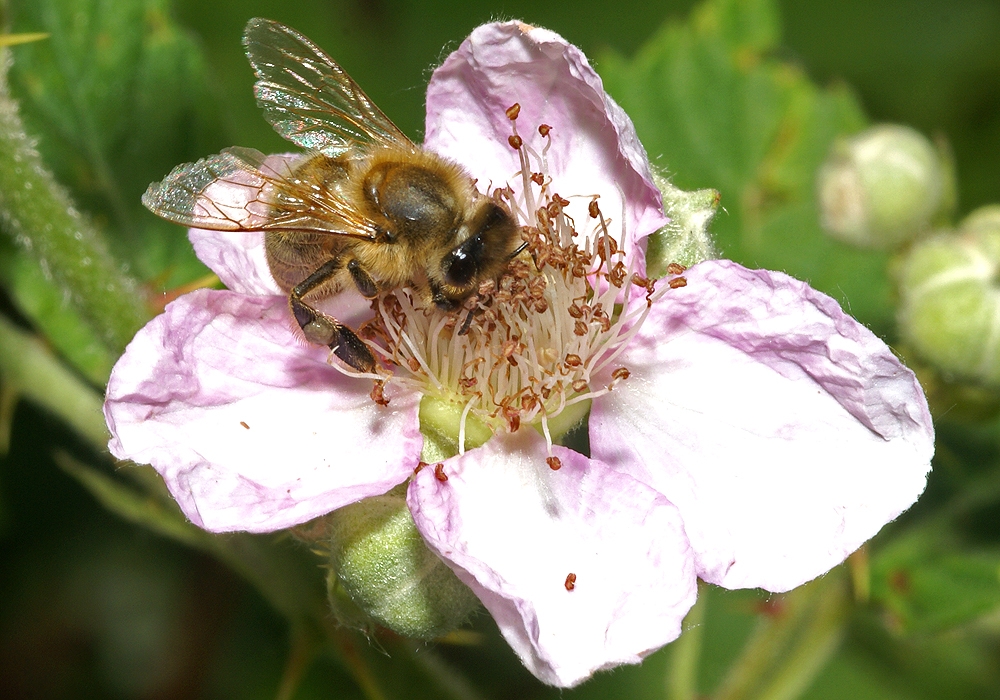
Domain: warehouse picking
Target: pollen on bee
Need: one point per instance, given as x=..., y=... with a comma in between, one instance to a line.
x=439, y=472
x=570, y=581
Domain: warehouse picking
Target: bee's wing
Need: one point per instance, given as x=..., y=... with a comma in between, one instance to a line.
x=241, y=189
x=308, y=98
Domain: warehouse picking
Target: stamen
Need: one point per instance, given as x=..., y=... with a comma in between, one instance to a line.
x=539, y=338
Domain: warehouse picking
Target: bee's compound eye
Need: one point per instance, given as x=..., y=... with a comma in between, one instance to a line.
x=461, y=266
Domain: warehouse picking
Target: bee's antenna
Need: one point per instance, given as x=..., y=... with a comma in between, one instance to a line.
x=468, y=322
x=520, y=249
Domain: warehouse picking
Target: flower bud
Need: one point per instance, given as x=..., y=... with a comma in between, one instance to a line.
x=883, y=187
x=382, y=572
x=685, y=239
x=949, y=300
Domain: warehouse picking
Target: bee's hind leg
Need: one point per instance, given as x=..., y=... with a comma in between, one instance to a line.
x=321, y=329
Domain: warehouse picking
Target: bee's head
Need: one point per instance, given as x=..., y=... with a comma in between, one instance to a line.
x=483, y=254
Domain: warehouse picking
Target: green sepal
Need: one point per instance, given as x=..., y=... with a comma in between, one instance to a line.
x=685, y=239
x=381, y=572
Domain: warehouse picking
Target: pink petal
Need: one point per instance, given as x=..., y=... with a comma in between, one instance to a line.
x=237, y=257
x=249, y=426
x=785, y=432
x=513, y=530
x=594, y=148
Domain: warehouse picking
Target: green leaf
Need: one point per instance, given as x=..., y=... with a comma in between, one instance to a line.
x=716, y=110
x=928, y=585
x=40, y=299
x=118, y=96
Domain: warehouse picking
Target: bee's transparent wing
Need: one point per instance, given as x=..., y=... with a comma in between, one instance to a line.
x=241, y=189
x=308, y=98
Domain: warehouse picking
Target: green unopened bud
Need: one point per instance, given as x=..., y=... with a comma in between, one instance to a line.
x=950, y=299
x=685, y=239
x=382, y=572
x=883, y=187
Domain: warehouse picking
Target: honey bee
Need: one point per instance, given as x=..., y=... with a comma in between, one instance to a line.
x=365, y=207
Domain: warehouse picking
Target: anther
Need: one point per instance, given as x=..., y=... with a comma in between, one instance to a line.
x=593, y=209
x=544, y=129
x=573, y=360
x=515, y=141
x=675, y=268
x=677, y=282
x=513, y=111
x=618, y=274
x=555, y=464
x=620, y=373
x=378, y=395
x=439, y=472
x=420, y=465
x=538, y=179
x=570, y=582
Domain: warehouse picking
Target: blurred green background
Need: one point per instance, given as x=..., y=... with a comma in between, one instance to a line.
x=124, y=90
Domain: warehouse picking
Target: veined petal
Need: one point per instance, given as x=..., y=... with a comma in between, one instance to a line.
x=515, y=531
x=249, y=426
x=594, y=147
x=785, y=432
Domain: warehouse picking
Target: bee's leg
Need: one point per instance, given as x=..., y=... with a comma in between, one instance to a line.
x=366, y=285
x=322, y=329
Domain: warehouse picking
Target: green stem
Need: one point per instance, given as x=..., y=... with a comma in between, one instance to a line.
x=38, y=214
x=346, y=648
x=300, y=658
x=818, y=642
x=682, y=678
x=28, y=366
x=445, y=677
x=791, y=646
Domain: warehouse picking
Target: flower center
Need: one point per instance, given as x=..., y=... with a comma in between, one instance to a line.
x=539, y=343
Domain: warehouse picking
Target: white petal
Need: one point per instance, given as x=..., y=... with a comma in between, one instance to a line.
x=785, y=432
x=249, y=426
x=514, y=530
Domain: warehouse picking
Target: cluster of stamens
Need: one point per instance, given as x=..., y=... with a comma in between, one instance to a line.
x=543, y=337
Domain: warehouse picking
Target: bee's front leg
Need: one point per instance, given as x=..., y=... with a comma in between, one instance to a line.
x=321, y=329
